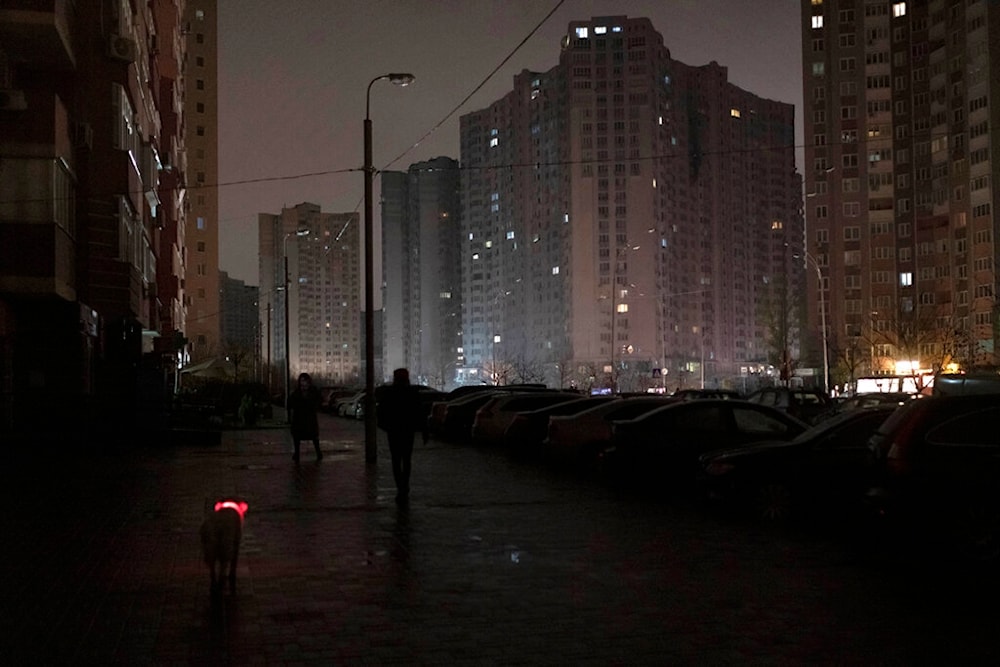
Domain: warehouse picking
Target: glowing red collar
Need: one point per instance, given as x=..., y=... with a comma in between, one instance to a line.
x=240, y=508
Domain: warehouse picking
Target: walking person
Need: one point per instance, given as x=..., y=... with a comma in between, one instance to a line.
x=400, y=414
x=303, y=408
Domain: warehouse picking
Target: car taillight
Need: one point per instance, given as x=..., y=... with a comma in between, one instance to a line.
x=719, y=468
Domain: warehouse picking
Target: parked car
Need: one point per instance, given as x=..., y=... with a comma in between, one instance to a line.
x=528, y=429
x=827, y=468
x=452, y=416
x=496, y=414
x=456, y=416
x=576, y=440
x=353, y=406
x=938, y=471
x=693, y=394
x=866, y=400
x=952, y=384
x=804, y=404
x=663, y=446
x=331, y=395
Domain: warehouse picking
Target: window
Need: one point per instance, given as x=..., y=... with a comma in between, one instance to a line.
x=906, y=279
x=898, y=9
x=200, y=223
x=817, y=22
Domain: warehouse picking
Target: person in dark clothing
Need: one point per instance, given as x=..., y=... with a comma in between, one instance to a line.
x=303, y=406
x=400, y=414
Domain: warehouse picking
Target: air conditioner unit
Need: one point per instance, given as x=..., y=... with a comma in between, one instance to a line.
x=122, y=48
x=12, y=100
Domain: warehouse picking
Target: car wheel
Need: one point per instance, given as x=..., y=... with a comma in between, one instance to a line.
x=772, y=502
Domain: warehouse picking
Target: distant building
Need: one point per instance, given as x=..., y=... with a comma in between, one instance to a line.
x=240, y=314
x=627, y=221
x=902, y=128
x=324, y=309
x=201, y=109
x=422, y=271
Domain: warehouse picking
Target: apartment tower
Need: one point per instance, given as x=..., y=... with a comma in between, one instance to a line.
x=422, y=271
x=901, y=118
x=628, y=220
x=91, y=143
x=201, y=109
x=318, y=254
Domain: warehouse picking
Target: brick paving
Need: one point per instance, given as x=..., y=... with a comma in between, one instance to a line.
x=494, y=562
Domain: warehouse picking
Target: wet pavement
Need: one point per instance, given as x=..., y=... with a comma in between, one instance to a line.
x=493, y=562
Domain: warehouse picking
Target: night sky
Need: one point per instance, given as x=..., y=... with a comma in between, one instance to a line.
x=293, y=74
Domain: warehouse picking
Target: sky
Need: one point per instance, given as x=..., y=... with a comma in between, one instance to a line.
x=293, y=77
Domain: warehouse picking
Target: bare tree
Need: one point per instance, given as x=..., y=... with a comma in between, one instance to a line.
x=526, y=370
x=237, y=352
x=778, y=314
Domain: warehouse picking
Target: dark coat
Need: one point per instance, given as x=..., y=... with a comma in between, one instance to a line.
x=399, y=409
x=302, y=411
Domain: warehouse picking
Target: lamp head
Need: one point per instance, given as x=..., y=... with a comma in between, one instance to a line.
x=401, y=79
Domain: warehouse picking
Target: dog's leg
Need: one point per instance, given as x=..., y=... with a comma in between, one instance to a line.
x=232, y=564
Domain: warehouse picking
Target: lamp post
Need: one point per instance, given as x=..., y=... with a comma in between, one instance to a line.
x=822, y=321
x=371, y=447
x=288, y=362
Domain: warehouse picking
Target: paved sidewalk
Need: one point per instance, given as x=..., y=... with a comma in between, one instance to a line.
x=492, y=563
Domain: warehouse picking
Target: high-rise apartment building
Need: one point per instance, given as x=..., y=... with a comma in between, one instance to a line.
x=318, y=254
x=91, y=200
x=901, y=126
x=628, y=221
x=422, y=271
x=240, y=313
x=201, y=111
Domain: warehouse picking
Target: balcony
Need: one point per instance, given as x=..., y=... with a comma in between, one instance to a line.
x=37, y=229
x=38, y=32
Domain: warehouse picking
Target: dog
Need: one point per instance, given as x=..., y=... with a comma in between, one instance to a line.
x=221, y=533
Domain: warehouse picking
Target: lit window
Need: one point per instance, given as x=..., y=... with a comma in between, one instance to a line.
x=510, y=236
x=494, y=142
x=616, y=28
x=817, y=22
x=898, y=9
x=555, y=270
x=475, y=255
x=776, y=224
x=622, y=308
x=489, y=244
x=905, y=279
x=734, y=112
x=201, y=222
x=582, y=32
x=565, y=217
x=660, y=120
x=600, y=29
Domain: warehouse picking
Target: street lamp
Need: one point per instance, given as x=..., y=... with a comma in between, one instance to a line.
x=288, y=362
x=822, y=320
x=371, y=447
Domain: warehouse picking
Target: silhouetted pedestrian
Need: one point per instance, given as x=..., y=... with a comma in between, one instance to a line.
x=400, y=414
x=303, y=406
